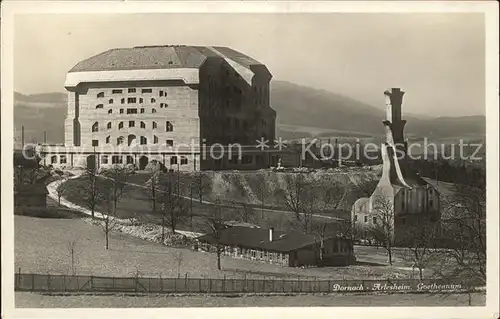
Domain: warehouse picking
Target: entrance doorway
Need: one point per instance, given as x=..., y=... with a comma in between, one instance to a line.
x=143, y=162
x=130, y=159
x=91, y=161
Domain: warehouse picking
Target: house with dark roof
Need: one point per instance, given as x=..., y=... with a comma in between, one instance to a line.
x=169, y=103
x=402, y=198
x=292, y=249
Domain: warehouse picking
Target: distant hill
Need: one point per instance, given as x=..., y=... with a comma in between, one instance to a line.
x=301, y=108
x=302, y=112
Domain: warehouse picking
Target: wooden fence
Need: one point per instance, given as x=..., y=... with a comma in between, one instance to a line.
x=63, y=283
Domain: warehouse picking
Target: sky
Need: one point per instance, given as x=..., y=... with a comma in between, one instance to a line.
x=438, y=59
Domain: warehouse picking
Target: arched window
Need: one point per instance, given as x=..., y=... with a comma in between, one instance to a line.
x=144, y=140
x=155, y=139
x=100, y=94
x=131, y=139
x=109, y=125
x=155, y=125
x=95, y=127
x=110, y=111
x=108, y=138
x=99, y=106
x=143, y=125
x=119, y=140
x=153, y=100
x=153, y=111
x=120, y=125
x=169, y=127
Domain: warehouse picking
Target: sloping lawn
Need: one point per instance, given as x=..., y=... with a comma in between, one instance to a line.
x=137, y=204
x=41, y=246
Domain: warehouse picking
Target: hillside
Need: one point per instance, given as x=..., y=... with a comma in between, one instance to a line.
x=302, y=112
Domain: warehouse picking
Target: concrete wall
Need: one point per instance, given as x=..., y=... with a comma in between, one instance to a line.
x=177, y=104
x=232, y=110
x=225, y=107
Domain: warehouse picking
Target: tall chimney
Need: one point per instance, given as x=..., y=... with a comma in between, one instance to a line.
x=271, y=234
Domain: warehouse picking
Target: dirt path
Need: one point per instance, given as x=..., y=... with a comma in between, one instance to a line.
x=52, y=189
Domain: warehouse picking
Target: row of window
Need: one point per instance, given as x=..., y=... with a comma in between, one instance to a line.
x=259, y=254
x=142, y=140
x=365, y=219
x=130, y=100
x=132, y=90
x=132, y=111
x=169, y=127
x=118, y=159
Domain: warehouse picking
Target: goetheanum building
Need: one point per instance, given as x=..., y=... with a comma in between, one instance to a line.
x=180, y=105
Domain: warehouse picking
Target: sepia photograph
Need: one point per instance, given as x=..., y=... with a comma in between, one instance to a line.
x=250, y=155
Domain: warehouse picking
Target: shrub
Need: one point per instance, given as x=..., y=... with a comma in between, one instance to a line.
x=45, y=212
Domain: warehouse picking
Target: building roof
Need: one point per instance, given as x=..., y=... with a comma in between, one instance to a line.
x=160, y=57
x=258, y=238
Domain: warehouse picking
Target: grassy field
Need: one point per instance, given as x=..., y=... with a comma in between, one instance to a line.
x=34, y=300
x=137, y=204
x=41, y=246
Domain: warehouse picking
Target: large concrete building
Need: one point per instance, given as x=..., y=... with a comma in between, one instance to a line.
x=402, y=199
x=179, y=105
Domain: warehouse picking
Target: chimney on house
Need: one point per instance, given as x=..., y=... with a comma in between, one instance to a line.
x=271, y=234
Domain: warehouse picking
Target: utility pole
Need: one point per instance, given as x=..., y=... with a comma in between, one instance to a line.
x=22, y=137
x=44, y=137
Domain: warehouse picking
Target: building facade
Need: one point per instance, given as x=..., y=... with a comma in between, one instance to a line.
x=293, y=249
x=180, y=105
x=402, y=199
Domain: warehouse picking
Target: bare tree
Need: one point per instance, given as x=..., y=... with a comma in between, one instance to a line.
x=72, y=249
x=178, y=257
x=153, y=184
x=365, y=185
x=319, y=229
x=465, y=224
x=418, y=242
x=306, y=197
x=246, y=212
x=109, y=221
x=298, y=198
x=383, y=229
x=90, y=189
x=200, y=183
x=117, y=176
x=61, y=190
x=262, y=193
x=213, y=224
x=174, y=208
x=351, y=230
